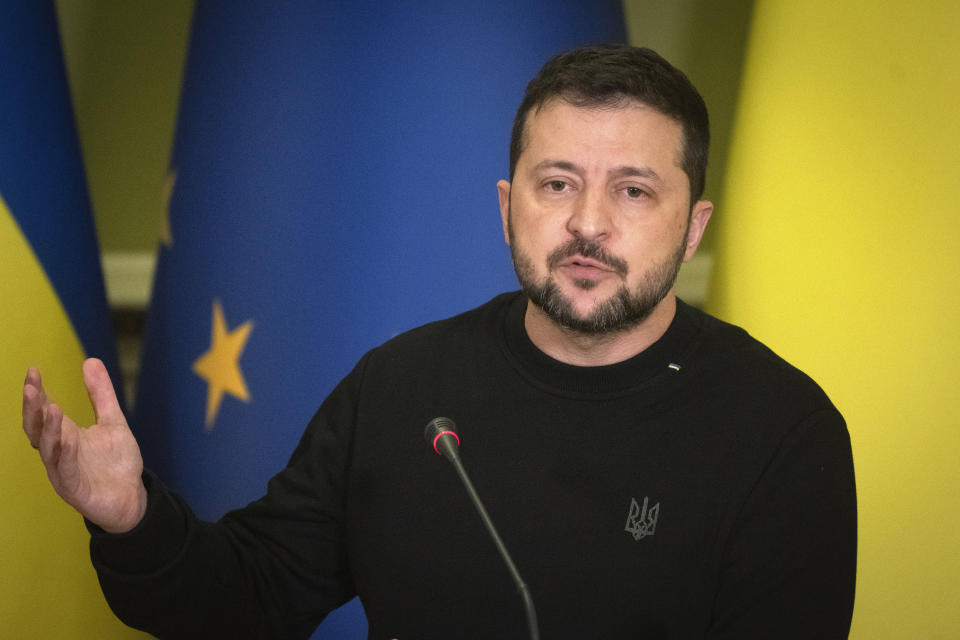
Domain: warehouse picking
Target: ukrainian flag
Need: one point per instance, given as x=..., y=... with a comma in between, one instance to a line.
x=53, y=314
x=840, y=247
x=333, y=183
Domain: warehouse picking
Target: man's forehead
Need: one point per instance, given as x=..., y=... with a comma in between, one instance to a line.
x=558, y=109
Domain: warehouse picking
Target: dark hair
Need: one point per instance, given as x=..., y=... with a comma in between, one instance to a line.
x=607, y=75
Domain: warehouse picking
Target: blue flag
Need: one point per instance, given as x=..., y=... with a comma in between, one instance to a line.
x=332, y=184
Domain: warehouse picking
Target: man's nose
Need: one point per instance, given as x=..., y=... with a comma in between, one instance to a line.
x=591, y=217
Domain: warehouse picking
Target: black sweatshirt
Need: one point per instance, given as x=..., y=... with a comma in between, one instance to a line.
x=701, y=489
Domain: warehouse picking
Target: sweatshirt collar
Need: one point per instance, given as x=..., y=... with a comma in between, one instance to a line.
x=665, y=357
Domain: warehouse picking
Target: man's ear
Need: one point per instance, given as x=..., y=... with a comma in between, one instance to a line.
x=503, y=193
x=699, y=217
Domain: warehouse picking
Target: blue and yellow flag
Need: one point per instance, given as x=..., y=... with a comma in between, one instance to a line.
x=332, y=184
x=53, y=314
x=839, y=247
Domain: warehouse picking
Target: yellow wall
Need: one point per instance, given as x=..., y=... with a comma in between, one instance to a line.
x=840, y=247
x=707, y=40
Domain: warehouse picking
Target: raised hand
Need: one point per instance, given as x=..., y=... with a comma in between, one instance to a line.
x=96, y=470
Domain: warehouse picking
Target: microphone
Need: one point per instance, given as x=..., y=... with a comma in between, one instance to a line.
x=441, y=434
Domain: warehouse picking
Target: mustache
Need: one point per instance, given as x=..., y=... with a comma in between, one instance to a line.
x=587, y=249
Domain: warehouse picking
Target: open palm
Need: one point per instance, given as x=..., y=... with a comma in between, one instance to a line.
x=97, y=470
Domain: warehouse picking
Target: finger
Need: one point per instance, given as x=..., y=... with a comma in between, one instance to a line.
x=100, y=389
x=33, y=401
x=33, y=378
x=32, y=416
x=50, y=436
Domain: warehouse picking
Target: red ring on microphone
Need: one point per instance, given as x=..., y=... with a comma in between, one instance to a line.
x=444, y=433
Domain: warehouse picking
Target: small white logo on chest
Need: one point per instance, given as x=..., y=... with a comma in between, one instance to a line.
x=642, y=521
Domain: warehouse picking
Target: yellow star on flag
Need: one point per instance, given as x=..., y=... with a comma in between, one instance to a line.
x=220, y=365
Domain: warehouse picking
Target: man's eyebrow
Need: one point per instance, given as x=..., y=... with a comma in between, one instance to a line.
x=616, y=172
x=557, y=164
x=635, y=172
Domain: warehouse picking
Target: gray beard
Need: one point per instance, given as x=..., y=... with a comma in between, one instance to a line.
x=622, y=311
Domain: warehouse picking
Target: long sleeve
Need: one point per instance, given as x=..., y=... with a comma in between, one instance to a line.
x=789, y=566
x=273, y=569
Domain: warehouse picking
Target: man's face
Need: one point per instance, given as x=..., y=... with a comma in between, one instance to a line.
x=598, y=216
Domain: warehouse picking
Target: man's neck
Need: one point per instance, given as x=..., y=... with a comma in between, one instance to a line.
x=583, y=350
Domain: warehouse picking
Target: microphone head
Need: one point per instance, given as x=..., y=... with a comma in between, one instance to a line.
x=442, y=433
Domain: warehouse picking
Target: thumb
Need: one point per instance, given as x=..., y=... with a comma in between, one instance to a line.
x=100, y=389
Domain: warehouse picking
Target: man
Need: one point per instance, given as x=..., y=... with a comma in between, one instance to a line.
x=655, y=472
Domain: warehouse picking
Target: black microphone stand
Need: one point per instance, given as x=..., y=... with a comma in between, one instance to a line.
x=440, y=433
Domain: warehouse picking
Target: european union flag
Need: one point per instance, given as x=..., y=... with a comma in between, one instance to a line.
x=332, y=184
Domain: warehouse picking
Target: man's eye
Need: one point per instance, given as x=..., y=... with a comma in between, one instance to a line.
x=635, y=192
x=557, y=185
